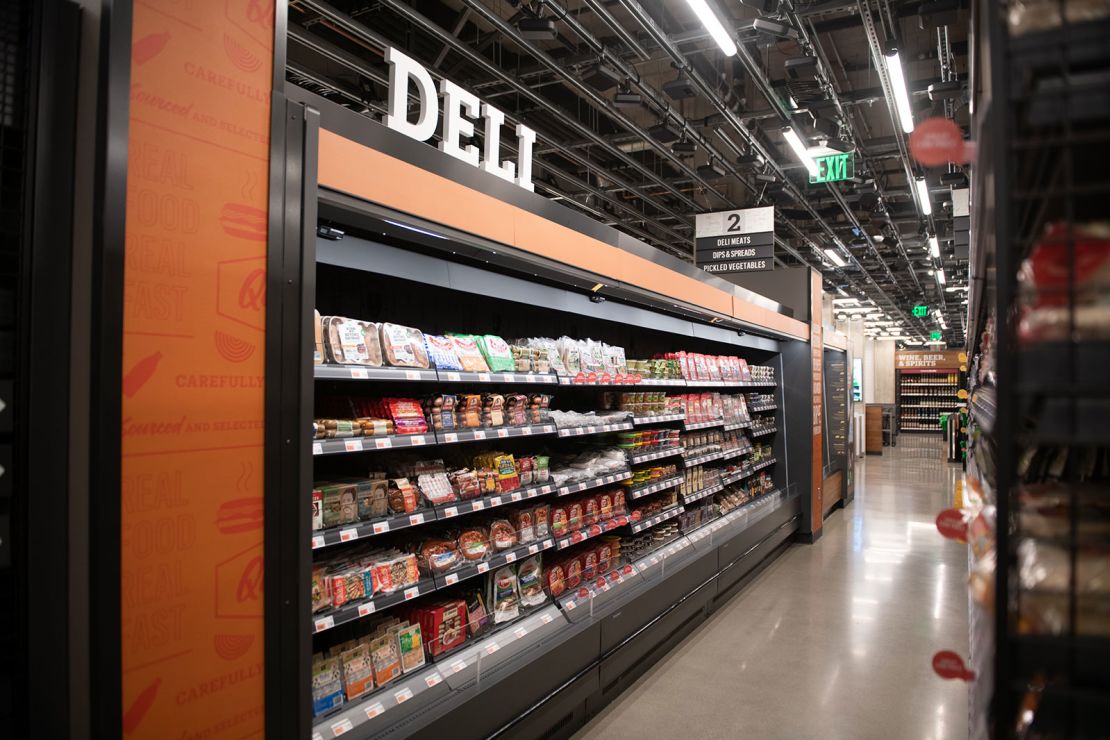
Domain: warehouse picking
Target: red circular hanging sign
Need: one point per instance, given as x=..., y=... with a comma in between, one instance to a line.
x=948, y=664
x=951, y=524
x=937, y=141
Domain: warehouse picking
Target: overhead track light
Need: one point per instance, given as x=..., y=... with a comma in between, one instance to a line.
x=713, y=24
x=627, y=99
x=679, y=88
x=799, y=148
x=602, y=77
x=767, y=28
x=901, y=93
x=684, y=146
x=712, y=170
x=663, y=133
x=835, y=258
x=537, y=29
x=940, y=277
x=934, y=247
x=923, y=196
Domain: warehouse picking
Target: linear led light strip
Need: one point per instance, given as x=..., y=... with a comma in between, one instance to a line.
x=799, y=148
x=901, y=94
x=713, y=24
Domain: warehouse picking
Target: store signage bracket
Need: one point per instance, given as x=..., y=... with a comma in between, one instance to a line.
x=461, y=110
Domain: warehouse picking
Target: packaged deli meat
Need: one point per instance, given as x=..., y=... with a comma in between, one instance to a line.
x=499, y=357
x=504, y=595
x=554, y=579
x=502, y=536
x=403, y=346
x=318, y=345
x=327, y=684
x=410, y=643
x=358, y=670
x=351, y=342
x=439, y=556
x=441, y=351
x=473, y=543
x=469, y=354
x=385, y=655
x=476, y=613
x=530, y=581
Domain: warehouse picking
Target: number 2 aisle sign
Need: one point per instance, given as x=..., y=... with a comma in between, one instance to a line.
x=735, y=241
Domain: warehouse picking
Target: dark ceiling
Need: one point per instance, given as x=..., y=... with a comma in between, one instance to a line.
x=619, y=163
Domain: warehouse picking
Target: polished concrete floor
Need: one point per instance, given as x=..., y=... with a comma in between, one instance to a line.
x=832, y=640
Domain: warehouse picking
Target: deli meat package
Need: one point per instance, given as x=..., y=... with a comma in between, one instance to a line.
x=403, y=346
x=351, y=342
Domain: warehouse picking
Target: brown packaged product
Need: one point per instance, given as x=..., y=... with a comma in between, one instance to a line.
x=502, y=536
x=493, y=410
x=372, y=499
x=321, y=591
x=590, y=511
x=572, y=568
x=541, y=516
x=439, y=556
x=385, y=654
x=524, y=521
x=318, y=347
x=604, y=556
x=403, y=496
x=352, y=342
x=473, y=543
x=403, y=346
x=575, y=515
x=469, y=411
x=589, y=565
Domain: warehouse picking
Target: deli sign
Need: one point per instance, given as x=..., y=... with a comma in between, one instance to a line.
x=461, y=111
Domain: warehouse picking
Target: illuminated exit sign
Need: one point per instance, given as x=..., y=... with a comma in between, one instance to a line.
x=834, y=168
x=936, y=336
x=920, y=311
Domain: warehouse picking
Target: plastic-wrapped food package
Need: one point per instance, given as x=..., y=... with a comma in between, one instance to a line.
x=441, y=351
x=1044, y=574
x=571, y=354
x=530, y=581
x=498, y=354
x=1044, y=285
x=403, y=346
x=504, y=595
x=469, y=354
x=351, y=342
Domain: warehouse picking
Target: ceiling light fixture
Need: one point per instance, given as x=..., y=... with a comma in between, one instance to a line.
x=842, y=292
x=835, y=258
x=901, y=93
x=713, y=24
x=923, y=196
x=537, y=29
x=940, y=277
x=799, y=148
x=934, y=247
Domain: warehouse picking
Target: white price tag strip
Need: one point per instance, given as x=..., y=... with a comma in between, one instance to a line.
x=492, y=648
x=450, y=511
x=570, y=604
x=412, y=593
x=546, y=618
x=346, y=535
x=450, y=437
x=483, y=377
x=520, y=632
x=502, y=433
x=478, y=434
x=510, y=557
x=380, y=527
x=495, y=501
x=483, y=567
x=324, y=623
x=516, y=496
x=317, y=541
x=412, y=375
x=317, y=448
x=383, y=444
x=417, y=440
x=403, y=695
x=451, y=579
x=526, y=431
x=365, y=610
x=477, y=505
x=359, y=373
x=457, y=666
x=353, y=445
x=454, y=377
x=432, y=679
x=416, y=519
x=374, y=710
x=342, y=726
x=533, y=549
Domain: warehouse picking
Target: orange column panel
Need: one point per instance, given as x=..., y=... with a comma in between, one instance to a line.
x=193, y=372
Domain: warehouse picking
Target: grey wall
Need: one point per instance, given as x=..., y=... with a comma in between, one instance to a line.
x=787, y=285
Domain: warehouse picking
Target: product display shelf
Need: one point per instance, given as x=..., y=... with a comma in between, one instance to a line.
x=380, y=374
x=452, y=376
x=699, y=458
x=731, y=452
x=732, y=426
x=435, y=677
x=370, y=444
x=689, y=426
x=585, y=485
x=741, y=475
x=624, y=381
x=984, y=407
x=579, y=602
x=758, y=409
x=636, y=458
x=661, y=485
x=594, y=530
x=494, y=433
x=361, y=530
x=621, y=426
x=762, y=432
x=688, y=498
x=459, y=508
x=645, y=419
x=471, y=570
x=349, y=612
x=651, y=521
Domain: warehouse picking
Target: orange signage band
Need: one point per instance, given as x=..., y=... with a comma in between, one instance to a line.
x=191, y=565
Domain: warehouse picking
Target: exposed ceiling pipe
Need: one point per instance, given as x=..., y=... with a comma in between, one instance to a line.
x=627, y=38
x=463, y=50
x=329, y=51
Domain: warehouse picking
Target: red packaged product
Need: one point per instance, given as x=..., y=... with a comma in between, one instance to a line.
x=590, y=511
x=618, y=502
x=554, y=579
x=604, y=505
x=589, y=565
x=572, y=567
x=604, y=557
x=443, y=625
x=541, y=519
x=560, y=520
x=574, y=515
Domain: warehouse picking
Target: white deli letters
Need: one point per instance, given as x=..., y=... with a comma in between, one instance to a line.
x=461, y=110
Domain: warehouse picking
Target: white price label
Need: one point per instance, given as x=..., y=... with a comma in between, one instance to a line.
x=417, y=440
x=432, y=679
x=564, y=491
x=359, y=374
x=510, y=557
x=412, y=375
x=416, y=519
x=477, y=506
x=570, y=605
x=533, y=549
x=479, y=434
x=457, y=666
x=502, y=433
x=483, y=377
x=412, y=593
x=450, y=511
x=346, y=535
x=317, y=541
x=508, y=378
x=454, y=377
x=365, y=610
x=403, y=695
x=546, y=618
x=530, y=378
x=380, y=527
x=343, y=725
x=564, y=543
x=325, y=623
x=352, y=445
x=451, y=579
x=526, y=431
x=520, y=632
x=483, y=567
x=317, y=448
x=450, y=437
x=383, y=444
x=374, y=710
x=515, y=496
x=495, y=501
x=492, y=648
x=548, y=429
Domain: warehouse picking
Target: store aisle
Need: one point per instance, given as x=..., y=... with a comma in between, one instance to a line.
x=833, y=640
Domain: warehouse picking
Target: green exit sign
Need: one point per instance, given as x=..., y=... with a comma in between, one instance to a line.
x=920, y=311
x=834, y=168
x=936, y=336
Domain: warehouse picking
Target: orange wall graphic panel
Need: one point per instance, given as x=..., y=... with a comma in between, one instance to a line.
x=193, y=372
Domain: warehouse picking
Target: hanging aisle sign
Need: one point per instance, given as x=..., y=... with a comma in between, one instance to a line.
x=735, y=241
x=461, y=110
